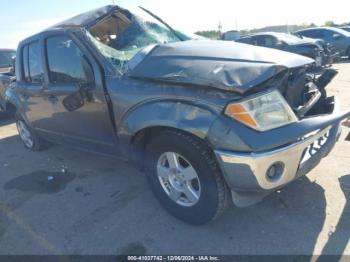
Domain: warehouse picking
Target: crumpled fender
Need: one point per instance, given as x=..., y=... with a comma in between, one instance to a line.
x=184, y=115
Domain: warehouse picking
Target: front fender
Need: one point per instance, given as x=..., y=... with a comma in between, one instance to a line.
x=183, y=115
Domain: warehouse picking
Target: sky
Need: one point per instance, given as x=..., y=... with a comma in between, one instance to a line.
x=20, y=19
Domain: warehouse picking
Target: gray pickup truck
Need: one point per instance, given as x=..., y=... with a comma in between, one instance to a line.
x=208, y=121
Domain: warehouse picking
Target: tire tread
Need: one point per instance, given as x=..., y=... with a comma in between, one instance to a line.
x=208, y=155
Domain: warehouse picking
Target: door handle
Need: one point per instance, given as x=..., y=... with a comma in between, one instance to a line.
x=53, y=99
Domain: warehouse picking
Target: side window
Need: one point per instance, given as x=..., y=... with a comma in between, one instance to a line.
x=25, y=63
x=66, y=62
x=245, y=40
x=304, y=33
x=310, y=33
x=318, y=33
x=270, y=41
x=259, y=40
x=31, y=62
x=34, y=63
x=255, y=40
x=265, y=40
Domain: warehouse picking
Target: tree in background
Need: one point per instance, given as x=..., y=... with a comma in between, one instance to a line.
x=329, y=23
x=211, y=34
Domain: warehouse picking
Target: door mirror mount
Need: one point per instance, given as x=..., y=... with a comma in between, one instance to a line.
x=88, y=70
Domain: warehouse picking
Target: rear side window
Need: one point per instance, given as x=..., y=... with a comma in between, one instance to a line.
x=34, y=63
x=32, y=66
x=245, y=40
x=265, y=40
x=65, y=61
x=313, y=33
x=25, y=63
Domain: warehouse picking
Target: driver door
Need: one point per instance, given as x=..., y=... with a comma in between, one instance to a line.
x=77, y=97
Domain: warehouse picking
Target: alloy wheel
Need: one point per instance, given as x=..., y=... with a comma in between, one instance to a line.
x=179, y=179
x=25, y=134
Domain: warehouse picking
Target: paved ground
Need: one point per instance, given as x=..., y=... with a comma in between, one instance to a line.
x=97, y=205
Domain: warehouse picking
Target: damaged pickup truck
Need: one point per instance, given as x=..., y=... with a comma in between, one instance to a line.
x=209, y=121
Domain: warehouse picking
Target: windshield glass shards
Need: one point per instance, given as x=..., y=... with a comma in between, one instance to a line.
x=122, y=34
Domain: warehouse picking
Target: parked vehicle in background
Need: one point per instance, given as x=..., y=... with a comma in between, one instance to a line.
x=330, y=55
x=288, y=43
x=338, y=38
x=206, y=119
x=6, y=57
x=231, y=35
x=346, y=28
x=7, y=76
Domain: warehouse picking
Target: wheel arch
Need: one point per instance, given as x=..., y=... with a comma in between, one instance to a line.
x=146, y=121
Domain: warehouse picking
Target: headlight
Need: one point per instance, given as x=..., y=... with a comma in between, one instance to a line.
x=262, y=113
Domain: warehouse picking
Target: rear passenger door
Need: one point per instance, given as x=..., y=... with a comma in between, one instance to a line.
x=75, y=89
x=35, y=107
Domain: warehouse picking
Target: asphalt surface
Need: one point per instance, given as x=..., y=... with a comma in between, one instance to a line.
x=62, y=201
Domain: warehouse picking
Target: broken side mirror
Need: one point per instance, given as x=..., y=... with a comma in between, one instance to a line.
x=73, y=101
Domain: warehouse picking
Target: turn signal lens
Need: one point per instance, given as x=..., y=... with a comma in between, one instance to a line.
x=238, y=112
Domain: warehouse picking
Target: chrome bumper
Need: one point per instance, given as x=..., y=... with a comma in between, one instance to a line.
x=248, y=171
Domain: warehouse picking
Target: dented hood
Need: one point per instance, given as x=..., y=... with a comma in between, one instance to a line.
x=224, y=65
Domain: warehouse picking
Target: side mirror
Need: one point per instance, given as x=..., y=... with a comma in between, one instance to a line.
x=73, y=102
x=83, y=93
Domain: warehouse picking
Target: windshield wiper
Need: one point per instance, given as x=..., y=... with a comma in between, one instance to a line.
x=164, y=23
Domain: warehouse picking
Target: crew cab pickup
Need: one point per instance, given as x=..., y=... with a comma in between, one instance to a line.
x=208, y=121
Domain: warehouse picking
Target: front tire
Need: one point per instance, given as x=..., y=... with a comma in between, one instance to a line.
x=185, y=177
x=28, y=136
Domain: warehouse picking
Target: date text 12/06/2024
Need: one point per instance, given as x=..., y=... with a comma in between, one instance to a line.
x=173, y=258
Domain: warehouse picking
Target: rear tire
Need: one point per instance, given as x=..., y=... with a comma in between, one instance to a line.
x=31, y=140
x=202, y=194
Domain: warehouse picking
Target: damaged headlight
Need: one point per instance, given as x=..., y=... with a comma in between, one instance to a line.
x=263, y=112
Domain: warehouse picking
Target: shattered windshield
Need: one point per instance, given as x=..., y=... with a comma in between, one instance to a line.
x=122, y=34
x=6, y=58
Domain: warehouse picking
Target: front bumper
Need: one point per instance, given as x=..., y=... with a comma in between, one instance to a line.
x=247, y=171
